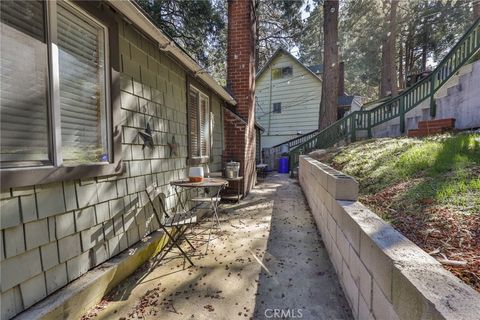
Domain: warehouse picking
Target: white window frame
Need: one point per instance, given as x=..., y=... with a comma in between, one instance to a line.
x=53, y=87
x=55, y=170
x=281, y=70
x=199, y=155
x=54, y=76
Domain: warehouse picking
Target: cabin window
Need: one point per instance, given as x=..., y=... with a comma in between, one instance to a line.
x=24, y=127
x=82, y=84
x=200, y=128
x=287, y=72
x=54, y=88
x=280, y=73
x=277, y=107
x=58, y=119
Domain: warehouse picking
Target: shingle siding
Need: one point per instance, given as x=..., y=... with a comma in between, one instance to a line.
x=299, y=95
x=79, y=224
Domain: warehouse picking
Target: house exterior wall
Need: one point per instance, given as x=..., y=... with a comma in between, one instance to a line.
x=51, y=234
x=300, y=102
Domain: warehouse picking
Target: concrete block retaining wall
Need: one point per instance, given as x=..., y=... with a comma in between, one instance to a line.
x=383, y=274
x=52, y=234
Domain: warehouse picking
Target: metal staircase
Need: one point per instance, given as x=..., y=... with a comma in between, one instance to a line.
x=346, y=128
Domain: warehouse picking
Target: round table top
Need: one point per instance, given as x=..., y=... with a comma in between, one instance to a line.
x=207, y=182
x=235, y=179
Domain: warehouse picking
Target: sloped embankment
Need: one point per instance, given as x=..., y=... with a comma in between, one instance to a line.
x=428, y=189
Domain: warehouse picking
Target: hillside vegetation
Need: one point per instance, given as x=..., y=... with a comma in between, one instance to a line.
x=429, y=189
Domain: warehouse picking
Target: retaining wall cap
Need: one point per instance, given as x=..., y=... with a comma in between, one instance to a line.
x=421, y=287
x=451, y=298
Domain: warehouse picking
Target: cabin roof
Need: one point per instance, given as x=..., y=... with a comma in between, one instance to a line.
x=135, y=15
x=279, y=51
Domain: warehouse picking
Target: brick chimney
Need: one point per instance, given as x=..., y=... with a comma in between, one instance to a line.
x=240, y=136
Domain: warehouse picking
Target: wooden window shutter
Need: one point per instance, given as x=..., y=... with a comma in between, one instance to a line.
x=193, y=122
x=204, y=127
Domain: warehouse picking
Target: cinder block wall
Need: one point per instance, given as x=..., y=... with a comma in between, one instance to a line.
x=383, y=274
x=52, y=234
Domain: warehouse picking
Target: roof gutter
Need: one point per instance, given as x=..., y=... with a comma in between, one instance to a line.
x=132, y=13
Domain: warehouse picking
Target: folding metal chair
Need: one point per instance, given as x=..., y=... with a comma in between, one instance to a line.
x=179, y=222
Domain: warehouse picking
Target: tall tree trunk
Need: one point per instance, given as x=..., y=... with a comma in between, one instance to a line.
x=407, y=60
x=257, y=37
x=388, y=83
x=476, y=10
x=424, y=57
x=400, y=66
x=329, y=102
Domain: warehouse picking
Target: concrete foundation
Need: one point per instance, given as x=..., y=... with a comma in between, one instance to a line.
x=458, y=98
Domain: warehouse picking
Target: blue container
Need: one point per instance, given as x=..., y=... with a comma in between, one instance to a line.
x=283, y=165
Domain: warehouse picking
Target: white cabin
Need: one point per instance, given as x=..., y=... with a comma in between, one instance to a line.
x=287, y=99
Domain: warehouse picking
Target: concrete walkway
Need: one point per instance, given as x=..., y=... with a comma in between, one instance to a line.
x=267, y=261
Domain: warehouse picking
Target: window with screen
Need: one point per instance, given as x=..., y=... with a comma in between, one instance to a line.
x=24, y=126
x=81, y=52
x=277, y=107
x=287, y=72
x=54, y=86
x=280, y=73
x=199, y=120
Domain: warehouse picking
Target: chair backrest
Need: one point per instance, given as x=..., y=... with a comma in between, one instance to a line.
x=152, y=194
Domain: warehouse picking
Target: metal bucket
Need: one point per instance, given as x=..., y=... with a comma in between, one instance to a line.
x=232, y=169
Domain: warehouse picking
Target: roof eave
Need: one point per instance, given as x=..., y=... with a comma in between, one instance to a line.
x=265, y=66
x=132, y=13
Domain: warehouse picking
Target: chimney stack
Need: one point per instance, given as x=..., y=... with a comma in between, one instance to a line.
x=240, y=136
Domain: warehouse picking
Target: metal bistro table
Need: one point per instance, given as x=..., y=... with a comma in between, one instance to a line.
x=214, y=200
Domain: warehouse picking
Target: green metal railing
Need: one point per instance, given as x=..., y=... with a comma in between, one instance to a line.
x=277, y=149
x=346, y=128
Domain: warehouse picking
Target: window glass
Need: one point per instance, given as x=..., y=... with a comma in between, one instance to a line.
x=277, y=107
x=204, y=126
x=287, y=72
x=193, y=121
x=199, y=124
x=276, y=73
x=24, y=136
x=81, y=44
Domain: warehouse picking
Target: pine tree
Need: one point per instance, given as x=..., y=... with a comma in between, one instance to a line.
x=329, y=102
x=199, y=26
x=279, y=24
x=388, y=82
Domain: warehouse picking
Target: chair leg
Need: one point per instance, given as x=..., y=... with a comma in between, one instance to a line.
x=185, y=238
x=181, y=250
x=189, y=243
x=210, y=233
x=174, y=241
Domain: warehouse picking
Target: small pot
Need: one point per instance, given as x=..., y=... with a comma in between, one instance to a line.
x=232, y=169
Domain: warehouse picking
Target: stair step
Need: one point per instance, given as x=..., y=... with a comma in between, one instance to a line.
x=413, y=133
x=448, y=123
x=425, y=132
